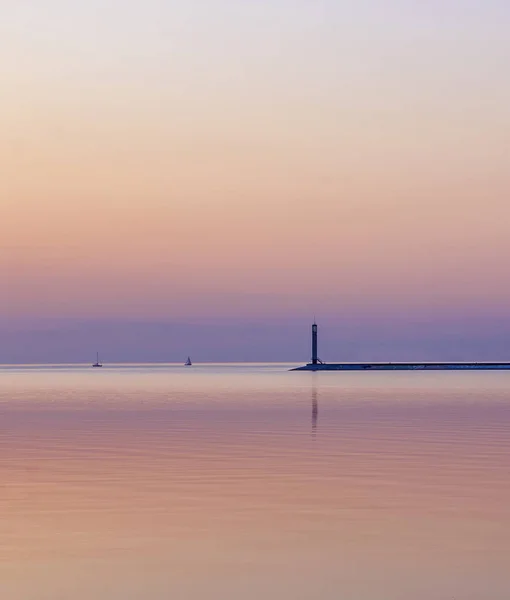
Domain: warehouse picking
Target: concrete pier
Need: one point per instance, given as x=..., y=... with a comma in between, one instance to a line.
x=442, y=366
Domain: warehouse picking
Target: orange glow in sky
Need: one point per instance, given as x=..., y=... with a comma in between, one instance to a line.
x=252, y=160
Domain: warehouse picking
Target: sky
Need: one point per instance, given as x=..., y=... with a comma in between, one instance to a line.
x=205, y=176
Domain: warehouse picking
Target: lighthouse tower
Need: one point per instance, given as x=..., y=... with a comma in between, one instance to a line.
x=315, y=357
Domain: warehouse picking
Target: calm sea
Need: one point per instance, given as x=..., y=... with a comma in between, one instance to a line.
x=248, y=482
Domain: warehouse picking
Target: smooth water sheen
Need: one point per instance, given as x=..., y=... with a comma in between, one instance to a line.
x=249, y=482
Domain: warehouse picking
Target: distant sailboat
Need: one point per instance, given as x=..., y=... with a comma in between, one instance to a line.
x=188, y=363
x=97, y=363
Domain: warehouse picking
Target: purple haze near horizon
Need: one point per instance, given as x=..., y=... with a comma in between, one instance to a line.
x=270, y=340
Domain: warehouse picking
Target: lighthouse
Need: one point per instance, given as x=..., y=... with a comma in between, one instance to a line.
x=315, y=358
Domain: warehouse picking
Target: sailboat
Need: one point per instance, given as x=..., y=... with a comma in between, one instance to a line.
x=97, y=363
x=188, y=363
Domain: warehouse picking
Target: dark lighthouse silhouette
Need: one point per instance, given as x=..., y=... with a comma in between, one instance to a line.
x=317, y=364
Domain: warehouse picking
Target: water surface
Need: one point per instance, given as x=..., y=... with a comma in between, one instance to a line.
x=248, y=481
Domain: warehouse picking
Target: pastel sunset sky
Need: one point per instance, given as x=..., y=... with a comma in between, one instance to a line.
x=202, y=176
